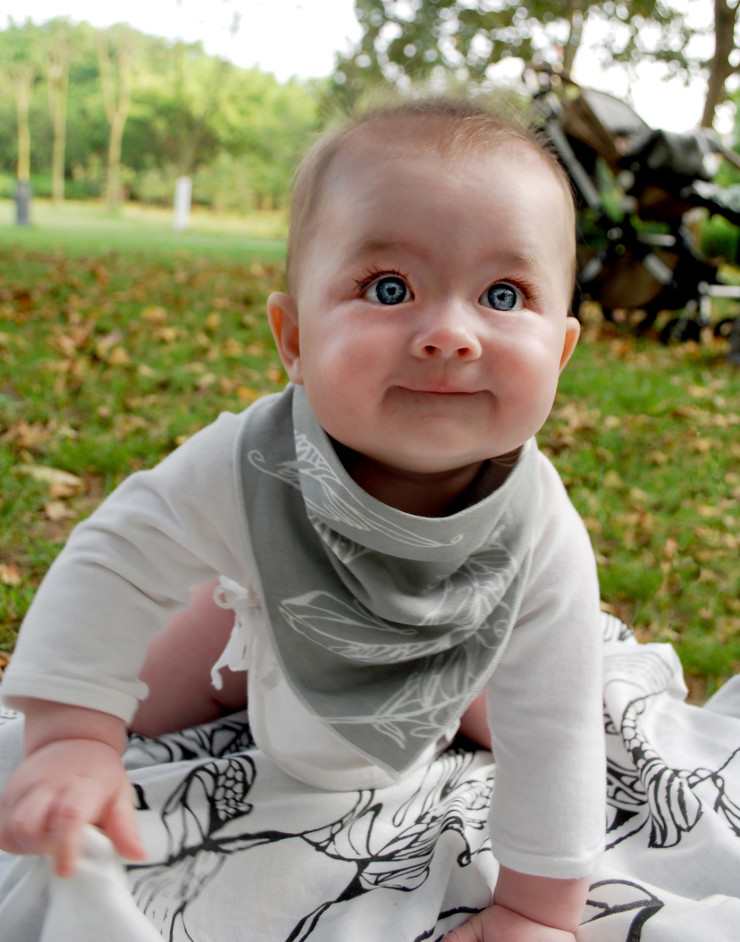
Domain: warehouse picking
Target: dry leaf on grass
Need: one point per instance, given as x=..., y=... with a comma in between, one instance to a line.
x=56, y=510
x=10, y=574
x=61, y=483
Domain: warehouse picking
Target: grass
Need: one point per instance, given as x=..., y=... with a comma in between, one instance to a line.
x=647, y=440
x=86, y=227
x=119, y=338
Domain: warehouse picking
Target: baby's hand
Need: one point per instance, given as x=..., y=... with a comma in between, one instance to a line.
x=57, y=790
x=499, y=924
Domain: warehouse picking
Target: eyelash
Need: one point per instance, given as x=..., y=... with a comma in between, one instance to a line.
x=374, y=274
x=525, y=288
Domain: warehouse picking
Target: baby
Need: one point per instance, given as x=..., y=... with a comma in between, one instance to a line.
x=408, y=554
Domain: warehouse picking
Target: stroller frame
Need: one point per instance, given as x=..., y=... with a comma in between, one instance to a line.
x=658, y=178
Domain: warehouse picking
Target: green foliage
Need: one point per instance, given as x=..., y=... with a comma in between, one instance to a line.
x=437, y=41
x=108, y=358
x=237, y=131
x=720, y=239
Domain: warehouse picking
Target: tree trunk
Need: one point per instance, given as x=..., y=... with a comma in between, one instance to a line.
x=113, y=174
x=23, y=82
x=720, y=67
x=576, y=21
x=58, y=86
x=117, y=104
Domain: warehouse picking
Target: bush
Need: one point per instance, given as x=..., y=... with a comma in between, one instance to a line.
x=155, y=185
x=7, y=186
x=720, y=239
x=224, y=185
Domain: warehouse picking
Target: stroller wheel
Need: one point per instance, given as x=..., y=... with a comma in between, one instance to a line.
x=680, y=330
x=723, y=328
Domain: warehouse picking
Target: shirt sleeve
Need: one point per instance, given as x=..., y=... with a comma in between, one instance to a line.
x=545, y=706
x=125, y=571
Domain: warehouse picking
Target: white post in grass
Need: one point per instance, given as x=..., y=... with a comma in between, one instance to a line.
x=183, y=196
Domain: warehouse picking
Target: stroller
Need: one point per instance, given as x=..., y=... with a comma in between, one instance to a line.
x=639, y=189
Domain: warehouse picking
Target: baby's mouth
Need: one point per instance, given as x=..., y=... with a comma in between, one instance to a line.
x=439, y=390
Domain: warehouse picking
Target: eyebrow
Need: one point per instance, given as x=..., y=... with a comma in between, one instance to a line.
x=376, y=245
x=509, y=258
x=518, y=260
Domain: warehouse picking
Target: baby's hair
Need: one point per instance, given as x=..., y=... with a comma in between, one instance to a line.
x=454, y=126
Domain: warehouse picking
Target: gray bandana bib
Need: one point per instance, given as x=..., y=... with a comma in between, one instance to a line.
x=386, y=625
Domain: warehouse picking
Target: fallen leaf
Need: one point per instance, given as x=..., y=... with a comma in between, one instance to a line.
x=119, y=356
x=245, y=394
x=701, y=445
x=27, y=435
x=206, y=380
x=166, y=334
x=233, y=348
x=154, y=314
x=274, y=374
x=60, y=483
x=56, y=510
x=10, y=574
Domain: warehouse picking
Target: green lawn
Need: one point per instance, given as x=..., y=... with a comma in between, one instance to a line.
x=118, y=338
x=87, y=228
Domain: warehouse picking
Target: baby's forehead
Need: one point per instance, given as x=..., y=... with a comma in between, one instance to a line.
x=452, y=143
x=430, y=151
x=427, y=144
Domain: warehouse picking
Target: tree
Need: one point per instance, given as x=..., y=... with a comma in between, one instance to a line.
x=238, y=131
x=23, y=76
x=116, y=48
x=721, y=66
x=443, y=40
x=21, y=60
x=58, y=85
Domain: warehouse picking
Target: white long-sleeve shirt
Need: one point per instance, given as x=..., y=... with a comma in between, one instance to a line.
x=128, y=568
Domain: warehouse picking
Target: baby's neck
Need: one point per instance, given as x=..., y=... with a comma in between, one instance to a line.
x=437, y=494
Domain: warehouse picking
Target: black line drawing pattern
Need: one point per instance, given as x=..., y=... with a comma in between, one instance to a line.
x=207, y=820
x=620, y=898
x=649, y=794
x=239, y=850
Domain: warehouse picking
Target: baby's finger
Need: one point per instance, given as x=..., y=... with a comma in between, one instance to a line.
x=79, y=805
x=26, y=825
x=122, y=827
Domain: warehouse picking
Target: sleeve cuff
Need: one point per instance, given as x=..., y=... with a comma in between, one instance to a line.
x=17, y=686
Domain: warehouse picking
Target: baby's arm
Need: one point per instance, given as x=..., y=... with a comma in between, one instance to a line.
x=178, y=666
x=72, y=776
x=527, y=909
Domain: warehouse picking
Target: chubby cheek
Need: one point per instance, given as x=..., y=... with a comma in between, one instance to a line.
x=334, y=360
x=335, y=391
x=531, y=379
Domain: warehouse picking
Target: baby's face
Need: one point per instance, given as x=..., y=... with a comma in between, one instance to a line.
x=432, y=303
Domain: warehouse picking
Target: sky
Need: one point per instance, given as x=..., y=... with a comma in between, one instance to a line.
x=301, y=37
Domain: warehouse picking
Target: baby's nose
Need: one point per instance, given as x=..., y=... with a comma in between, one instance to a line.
x=445, y=334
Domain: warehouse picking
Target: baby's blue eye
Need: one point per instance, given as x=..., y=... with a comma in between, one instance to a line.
x=502, y=296
x=388, y=290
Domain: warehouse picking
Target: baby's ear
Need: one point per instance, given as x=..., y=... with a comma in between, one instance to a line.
x=283, y=316
x=572, y=333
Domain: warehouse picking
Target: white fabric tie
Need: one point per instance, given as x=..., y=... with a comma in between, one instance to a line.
x=93, y=904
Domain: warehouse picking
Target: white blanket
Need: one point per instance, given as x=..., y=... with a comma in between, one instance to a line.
x=240, y=852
